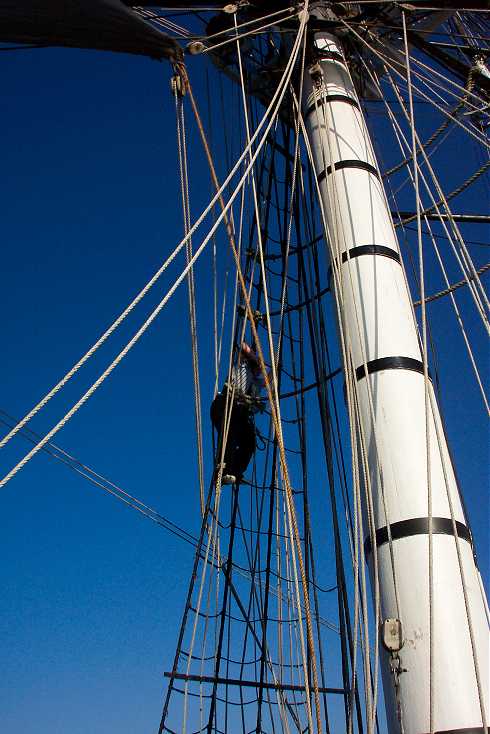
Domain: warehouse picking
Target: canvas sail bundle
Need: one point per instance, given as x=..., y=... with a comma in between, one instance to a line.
x=106, y=25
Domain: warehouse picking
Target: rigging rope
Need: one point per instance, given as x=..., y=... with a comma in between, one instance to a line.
x=275, y=363
x=458, y=190
x=273, y=399
x=392, y=64
x=156, y=276
x=451, y=288
x=464, y=260
x=184, y=182
x=100, y=481
x=442, y=127
x=250, y=33
x=401, y=140
x=222, y=217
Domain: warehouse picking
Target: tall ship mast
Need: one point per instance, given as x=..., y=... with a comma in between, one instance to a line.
x=335, y=586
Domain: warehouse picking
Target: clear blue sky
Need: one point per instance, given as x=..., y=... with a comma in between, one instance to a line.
x=91, y=593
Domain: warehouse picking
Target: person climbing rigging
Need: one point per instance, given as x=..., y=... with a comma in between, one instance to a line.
x=244, y=389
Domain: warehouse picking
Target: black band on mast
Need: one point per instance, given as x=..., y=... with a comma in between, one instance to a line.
x=339, y=165
x=326, y=55
x=390, y=363
x=418, y=526
x=360, y=250
x=332, y=98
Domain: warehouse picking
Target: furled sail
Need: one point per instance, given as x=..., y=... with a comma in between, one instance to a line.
x=107, y=25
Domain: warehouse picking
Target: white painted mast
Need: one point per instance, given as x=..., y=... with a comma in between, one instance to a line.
x=381, y=334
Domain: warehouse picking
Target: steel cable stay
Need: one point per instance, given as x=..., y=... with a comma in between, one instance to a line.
x=116, y=491
x=239, y=26
x=101, y=481
x=163, y=22
x=255, y=31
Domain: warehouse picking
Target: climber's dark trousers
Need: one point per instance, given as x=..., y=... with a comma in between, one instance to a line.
x=240, y=445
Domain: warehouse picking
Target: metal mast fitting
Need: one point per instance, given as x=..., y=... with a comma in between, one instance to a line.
x=440, y=681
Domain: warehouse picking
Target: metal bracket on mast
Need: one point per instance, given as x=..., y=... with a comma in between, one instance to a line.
x=392, y=640
x=392, y=636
